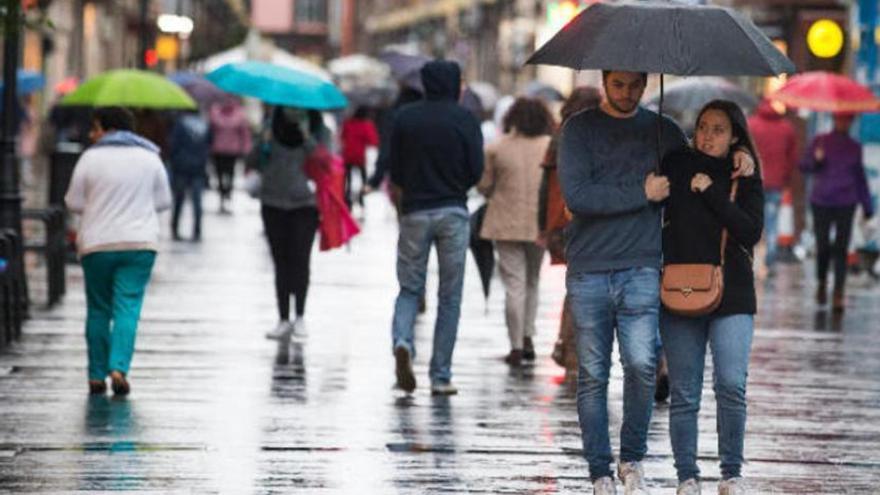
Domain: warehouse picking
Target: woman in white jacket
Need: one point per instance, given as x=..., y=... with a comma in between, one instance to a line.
x=118, y=186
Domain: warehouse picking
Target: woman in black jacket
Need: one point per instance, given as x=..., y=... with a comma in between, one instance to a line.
x=698, y=210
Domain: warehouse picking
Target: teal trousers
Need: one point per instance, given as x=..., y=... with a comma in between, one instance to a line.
x=115, y=286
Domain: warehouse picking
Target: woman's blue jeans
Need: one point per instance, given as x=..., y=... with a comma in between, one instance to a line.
x=684, y=341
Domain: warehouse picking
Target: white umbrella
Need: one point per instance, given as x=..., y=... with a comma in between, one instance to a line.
x=270, y=54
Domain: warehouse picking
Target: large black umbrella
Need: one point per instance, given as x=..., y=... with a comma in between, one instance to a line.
x=670, y=38
x=482, y=250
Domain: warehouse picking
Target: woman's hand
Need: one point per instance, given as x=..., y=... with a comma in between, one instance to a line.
x=700, y=182
x=743, y=164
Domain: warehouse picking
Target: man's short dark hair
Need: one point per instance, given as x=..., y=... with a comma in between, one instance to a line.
x=114, y=118
x=606, y=72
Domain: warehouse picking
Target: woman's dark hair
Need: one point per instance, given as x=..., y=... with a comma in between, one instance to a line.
x=361, y=112
x=114, y=118
x=530, y=117
x=738, y=125
x=288, y=133
x=581, y=98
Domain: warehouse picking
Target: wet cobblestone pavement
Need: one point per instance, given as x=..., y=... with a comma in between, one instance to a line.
x=217, y=408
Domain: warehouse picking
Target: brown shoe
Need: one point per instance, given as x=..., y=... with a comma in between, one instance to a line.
x=515, y=358
x=838, y=301
x=97, y=387
x=118, y=383
x=821, y=295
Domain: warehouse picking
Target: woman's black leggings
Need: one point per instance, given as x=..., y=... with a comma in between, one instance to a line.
x=291, y=234
x=225, y=167
x=824, y=217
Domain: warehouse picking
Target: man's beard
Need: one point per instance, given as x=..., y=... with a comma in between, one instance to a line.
x=620, y=109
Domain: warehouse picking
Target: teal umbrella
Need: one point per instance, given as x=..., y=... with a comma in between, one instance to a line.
x=278, y=85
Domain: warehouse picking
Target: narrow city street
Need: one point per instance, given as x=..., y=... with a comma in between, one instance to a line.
x=217, y=408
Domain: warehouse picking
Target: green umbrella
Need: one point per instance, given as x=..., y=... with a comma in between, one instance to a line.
x=130, y=88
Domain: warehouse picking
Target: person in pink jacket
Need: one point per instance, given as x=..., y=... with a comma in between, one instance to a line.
x=231, y=140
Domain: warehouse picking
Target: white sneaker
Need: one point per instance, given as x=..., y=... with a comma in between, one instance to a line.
x=733, y=486
x=280, y=331
x=604, y=486
x=688, y=487
x=299, y=327
x=632, y=476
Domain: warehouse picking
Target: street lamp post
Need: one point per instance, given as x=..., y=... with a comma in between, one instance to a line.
x=10, y=197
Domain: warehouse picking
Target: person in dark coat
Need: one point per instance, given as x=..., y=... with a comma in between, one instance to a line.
x=697, y=211
x=406, y=96
x=435, y=157
x=188, y=148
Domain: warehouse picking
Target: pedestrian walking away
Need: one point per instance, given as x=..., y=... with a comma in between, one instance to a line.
x=435, y=157
x=697, y=212
x=776, y=142
x=289, y=207
x=230, y=140
x=358, y=133
x=511, y=182
x=835, y=162
x=607, y=170
x=188, y=149
x=118, y=186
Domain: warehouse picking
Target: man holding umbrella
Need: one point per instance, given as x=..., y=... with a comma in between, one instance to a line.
x=606, y=162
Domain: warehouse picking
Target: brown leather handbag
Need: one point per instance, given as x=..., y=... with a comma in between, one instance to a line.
x=695, y=289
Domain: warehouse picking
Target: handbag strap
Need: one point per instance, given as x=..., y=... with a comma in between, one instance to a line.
x=733, y=189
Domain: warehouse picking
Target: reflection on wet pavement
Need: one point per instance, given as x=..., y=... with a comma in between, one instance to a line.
x=216, y=408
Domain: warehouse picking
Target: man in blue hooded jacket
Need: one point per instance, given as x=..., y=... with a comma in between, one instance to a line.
x=436, y=155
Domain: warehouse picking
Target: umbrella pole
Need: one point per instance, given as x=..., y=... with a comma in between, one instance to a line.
x=660, y=127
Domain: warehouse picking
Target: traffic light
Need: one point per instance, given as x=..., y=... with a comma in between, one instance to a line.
x=151, y=58
x=821, y=40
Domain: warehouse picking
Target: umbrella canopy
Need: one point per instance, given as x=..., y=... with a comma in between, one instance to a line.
x=666, y=38
x=538, y=89
x=130, y=88
x=684, y=98
x=827, y=92
x=265, y=53
x=27, y=82
x=359, y=71
x=692, y=94
x=201, y=89
x=405, y=67
x=482, y=250
x=278, y=85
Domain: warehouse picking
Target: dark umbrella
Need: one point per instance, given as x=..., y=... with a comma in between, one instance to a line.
x=482, y=250
x=670, y=38
x=405, y=67
x=201, y=89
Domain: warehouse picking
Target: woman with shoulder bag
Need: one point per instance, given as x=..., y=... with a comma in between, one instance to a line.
x=711, y=226
x=289, y=206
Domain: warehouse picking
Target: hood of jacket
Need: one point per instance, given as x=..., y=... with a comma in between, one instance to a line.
x=442, y=80
x=766, y=111
x=126, y=138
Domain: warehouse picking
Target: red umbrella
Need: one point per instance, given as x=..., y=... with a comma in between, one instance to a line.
x=826, y=92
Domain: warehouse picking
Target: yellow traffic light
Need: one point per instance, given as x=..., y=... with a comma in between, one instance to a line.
x=825, y=38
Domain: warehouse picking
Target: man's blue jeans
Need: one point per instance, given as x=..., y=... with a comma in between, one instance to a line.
x=772, y=203
x=627, y=301
x=685, y=339
x=449, y=229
